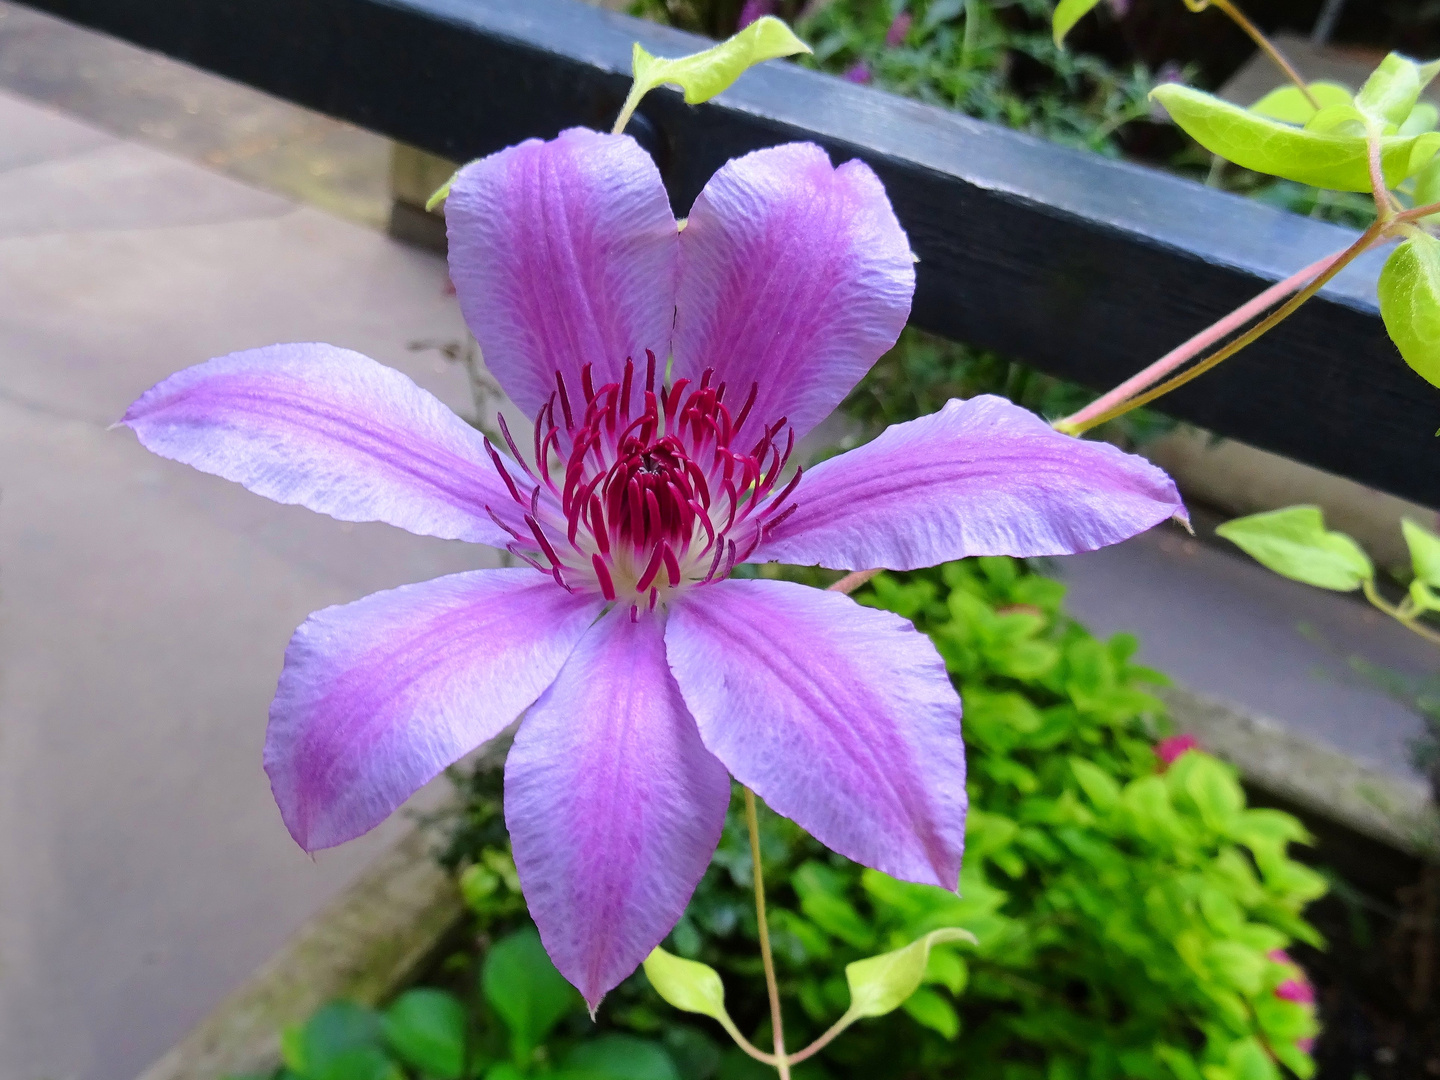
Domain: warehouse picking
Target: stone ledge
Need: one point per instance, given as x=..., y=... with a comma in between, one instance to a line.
x=1310, y=776
x=366, y=945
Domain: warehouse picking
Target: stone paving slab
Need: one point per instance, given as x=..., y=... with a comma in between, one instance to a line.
x=144, y=871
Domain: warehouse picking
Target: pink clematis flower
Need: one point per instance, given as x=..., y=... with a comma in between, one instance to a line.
x=669, y=372
x=753, y=10
x=1170, y=748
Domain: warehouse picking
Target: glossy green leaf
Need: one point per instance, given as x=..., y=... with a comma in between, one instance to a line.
x=1423, y=117
x=1393, y=88
x=1320, y=158
x=526, y=991
x=1409, y=291
x=881, y=984
x=621, y=1057
x=1424, y=599
x=1427, y=184
x=687, y=984
x=426, y=1029
x=1294, y=543
x=1424, y=548
x=1067, y=14
x=931, y=1010
x=332, y=1035
x=702, y=75
x=1289, y=105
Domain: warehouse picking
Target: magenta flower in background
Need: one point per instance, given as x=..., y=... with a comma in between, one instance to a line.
x=1296, y=988
x=899, y=29
x=669, y=373
x=1167, y=750
x=754, y=9
x=859, y=72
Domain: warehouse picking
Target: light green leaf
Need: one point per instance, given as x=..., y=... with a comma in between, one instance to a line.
x=524, y=988
x=1101, y=788
x=1424, y=552
x=1427, y=184
x=1409, y=290
x=880, y=984
x=687, y=984
x=1290, y=106
x=426, y=1028
x=1067, y=14
x=621, y=1057
x=1393, y=88
x=443, y=192
x=1319, y=158
x=1423, y=599
x=704, y=74
x=1423, y=117
x=1295, y=544
x=930, y=1009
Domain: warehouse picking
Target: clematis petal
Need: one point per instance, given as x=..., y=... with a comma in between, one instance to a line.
x=979, y=477
x=563, y=253
x=331, y=430
x=378, y=696
x=613, y=803
x=795, y=277
x=841, y=717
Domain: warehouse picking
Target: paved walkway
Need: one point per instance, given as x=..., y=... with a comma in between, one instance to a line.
x=144, y=607
x=143, y=866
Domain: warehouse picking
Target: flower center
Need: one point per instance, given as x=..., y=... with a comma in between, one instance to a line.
x=660, y=489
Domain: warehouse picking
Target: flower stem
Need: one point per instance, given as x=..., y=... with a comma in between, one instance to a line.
x=1404, y=618
x=1197, y=344
x=1336, y=264
x=852, y=581
x=782, y=1064
x=1238, y=18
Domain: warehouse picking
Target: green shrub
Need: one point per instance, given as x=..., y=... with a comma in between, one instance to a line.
x=1125, y=913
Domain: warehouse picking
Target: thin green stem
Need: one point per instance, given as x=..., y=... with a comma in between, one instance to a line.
x=632, y=102
x=824, y=1040
x=1239, y=19
x=1405, y=619
x=1367, y=238
x=782, y=1064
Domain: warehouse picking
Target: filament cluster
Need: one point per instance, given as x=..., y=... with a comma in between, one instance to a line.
x=638, y=490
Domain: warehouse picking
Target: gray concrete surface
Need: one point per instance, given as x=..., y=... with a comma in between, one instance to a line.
x=1227, y=628
x=144, y=607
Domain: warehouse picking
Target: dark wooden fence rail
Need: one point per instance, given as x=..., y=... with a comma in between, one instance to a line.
x=1082, y=267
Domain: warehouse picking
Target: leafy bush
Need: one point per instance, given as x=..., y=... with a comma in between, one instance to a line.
x=1128, y=913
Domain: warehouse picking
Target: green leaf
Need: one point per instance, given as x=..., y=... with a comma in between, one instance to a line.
x=1214, y=789
x=1427, y=184
x=881, y=984
x=1295, y=544
x=1393, y=88
x=524, y=988
x=687, y=984
x=621, y=1057
x=361, y=1063
x=704, y=74
x=426, y=1028
x=1067, y=14
x=827, y=909
x=332, y=1035
x=1410, y=303
x=1289, y=105
x=1423, y=117
x=931, y=1010
x=1099, y=786
x=1319, y=158
x=1423, y=599
x=1424, y=552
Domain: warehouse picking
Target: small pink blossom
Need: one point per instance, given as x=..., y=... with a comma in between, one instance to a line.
x=899, y=30
x=1167, y=750
x=1296, y=988
x=859, y=72
x=754, y=9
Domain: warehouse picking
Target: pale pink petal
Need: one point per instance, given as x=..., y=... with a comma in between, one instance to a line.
x=794, y=276
x=331, y=430
x=841, y=717
x=613, y=803
x=379, y=696
x=979, y=477
x=563, y=254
